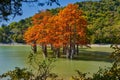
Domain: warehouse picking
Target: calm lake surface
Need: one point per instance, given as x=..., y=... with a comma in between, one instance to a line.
x=13, y=56
x=16, y=56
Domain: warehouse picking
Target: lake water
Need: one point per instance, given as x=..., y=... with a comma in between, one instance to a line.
x=13, y=56
x=16, y=56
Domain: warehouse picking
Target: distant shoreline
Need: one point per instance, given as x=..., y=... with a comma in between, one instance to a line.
x=100, y=45
x=20, y=44
x=13, y=44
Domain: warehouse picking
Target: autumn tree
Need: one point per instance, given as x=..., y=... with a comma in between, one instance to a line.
x=55, y=34
x=39, y=30
x=30, y=38
x=73, y=26
x=65, y=29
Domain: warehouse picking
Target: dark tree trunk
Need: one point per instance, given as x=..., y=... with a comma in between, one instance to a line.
x=72, y=51
x=64, y=49
x=57, y=52
x=52, y=47
x=44, y=49
x=34, y=47
x=67, y=53
x=77, y=51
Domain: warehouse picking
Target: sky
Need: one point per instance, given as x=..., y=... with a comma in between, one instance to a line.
x=29, y=9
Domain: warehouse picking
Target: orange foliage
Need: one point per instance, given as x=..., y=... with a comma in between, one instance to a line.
x=68, y=25
x=38, y=31
x=73, y=24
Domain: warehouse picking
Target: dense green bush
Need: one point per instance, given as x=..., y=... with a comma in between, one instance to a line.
x=17, y=74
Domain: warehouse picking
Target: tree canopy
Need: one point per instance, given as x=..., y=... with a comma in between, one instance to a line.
x=67, y=28
x=60, y=29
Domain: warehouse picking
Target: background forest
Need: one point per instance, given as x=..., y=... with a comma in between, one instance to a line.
x=103, y=23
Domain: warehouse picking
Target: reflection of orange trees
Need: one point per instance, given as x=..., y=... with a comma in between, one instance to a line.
x=66, y=29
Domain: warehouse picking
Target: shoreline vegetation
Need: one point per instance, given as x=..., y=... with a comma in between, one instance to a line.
x=21, y=44
x=13, y=44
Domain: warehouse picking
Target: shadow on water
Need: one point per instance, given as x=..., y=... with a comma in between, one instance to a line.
x=92, y=56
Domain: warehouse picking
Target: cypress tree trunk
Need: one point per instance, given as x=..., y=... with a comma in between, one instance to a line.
x=34, y=47
x=72, y=51
x=44, y=49
x=51, y=47
x=64, y=49
x=67, y=52
x=77, y=51
x=57, y=52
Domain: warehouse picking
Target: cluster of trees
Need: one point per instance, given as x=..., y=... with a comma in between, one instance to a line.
x=13, y=33
x=12, y=8
x=66, y=29
x=103, y=20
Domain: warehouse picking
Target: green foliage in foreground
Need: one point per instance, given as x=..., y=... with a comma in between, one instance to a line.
x=43, y=70
x=112, y=73
x=18, y=74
